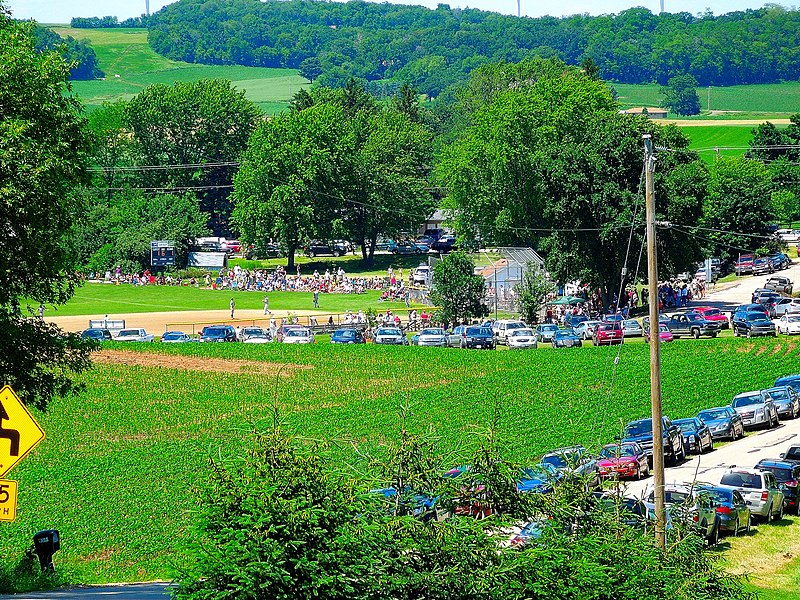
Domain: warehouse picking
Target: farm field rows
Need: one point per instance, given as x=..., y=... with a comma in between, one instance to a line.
x=118, y=472
x=125, y=53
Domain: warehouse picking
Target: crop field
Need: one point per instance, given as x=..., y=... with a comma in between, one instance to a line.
x=765, y=99
x=730, y=138
x=118, y=472
x=126, y=54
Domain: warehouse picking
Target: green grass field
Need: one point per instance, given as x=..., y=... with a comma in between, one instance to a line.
x=125, y=52
x=767, y=99
x=731, y=139
x=118, y=471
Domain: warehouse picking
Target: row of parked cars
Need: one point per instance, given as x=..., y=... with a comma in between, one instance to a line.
x=749, y=263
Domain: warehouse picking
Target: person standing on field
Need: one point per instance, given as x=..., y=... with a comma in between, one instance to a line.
x=266, y=306
x=316, y=298
x=233, y=307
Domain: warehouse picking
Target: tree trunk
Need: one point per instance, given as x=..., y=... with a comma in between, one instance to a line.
x=290, y=258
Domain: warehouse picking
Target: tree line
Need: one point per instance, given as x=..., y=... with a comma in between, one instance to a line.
x=432, y=49
x=79, y=54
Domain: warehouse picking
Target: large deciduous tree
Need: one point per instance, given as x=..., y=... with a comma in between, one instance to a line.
x=680, y=95
x=459, y=293
x=43, y=150
x=549, y=162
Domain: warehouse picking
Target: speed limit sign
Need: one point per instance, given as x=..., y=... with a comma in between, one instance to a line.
x=8, y=500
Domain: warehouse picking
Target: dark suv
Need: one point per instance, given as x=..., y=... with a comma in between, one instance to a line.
x=97, y=334
x=218, y=333
x=641, y=432
x=763, y=265
x=752, y=322
x=787, y=474
x=316, y=247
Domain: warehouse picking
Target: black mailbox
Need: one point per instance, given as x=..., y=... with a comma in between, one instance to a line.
x=45, y=544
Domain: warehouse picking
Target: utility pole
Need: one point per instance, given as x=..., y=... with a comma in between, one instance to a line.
x=519, y=8
x=709, y=98
x=655, y=344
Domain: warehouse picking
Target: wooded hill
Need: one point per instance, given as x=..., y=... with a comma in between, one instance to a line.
x=432, y=49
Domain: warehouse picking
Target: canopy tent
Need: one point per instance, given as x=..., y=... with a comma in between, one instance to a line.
x=564, y=300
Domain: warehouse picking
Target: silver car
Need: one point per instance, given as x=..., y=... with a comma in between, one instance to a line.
x=390, y=335
x=586, y=330
x=786, y=400
x=632, y=328
x=760, y=491
x=756, y=409
x=432, y=336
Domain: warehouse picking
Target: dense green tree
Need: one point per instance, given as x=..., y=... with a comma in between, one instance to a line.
x=310, y=68
x=43, y=150
x=79, y=54
x=459, y=293
x=532, y=291
x=680, y=95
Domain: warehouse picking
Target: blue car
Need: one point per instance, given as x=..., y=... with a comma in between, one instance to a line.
x=566, y=338
x=420, y=506
x=347, y=336
x=539, y=479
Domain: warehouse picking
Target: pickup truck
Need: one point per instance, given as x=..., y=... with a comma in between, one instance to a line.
x=779, y=284
x=134, y=335
x=693, y=324
x=641, y=432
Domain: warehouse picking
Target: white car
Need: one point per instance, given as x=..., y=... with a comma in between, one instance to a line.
x=789, y=324
x=631, y=328
x=422, y=275
x=790, y=236
x=759, y=489
x=585, y=330
x=432, y=336
x=134, y=335
x=503, y=328
x=522, y=339
x=786, y=306
x=301, y=335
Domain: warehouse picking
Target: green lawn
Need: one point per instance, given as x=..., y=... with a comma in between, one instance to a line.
x=730, y=138
x=118, y=470
x=766, y=99
x=125, y=52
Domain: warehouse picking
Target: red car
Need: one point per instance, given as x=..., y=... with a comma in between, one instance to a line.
x=710, y=313
x=664, y=334
x=623, y=460
x=608, y=333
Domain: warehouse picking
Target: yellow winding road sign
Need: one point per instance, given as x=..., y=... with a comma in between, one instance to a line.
x=19, y=431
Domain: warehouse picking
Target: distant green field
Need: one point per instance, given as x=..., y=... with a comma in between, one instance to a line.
x=731, y=139
x=767, y=99
x=130, y=66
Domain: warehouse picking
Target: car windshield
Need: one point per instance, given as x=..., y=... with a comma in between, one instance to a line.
x=756, y=316
x=487, y=331
x=128, y=332
x=252, y=331
x=639, y=428
x=388, y=332
x=720, y=496
x=714, y=414
x=778, y=394
x=675, y=497
x=747, y=399
x=663, y=328
x=541, y=472
x=609, y=327
x=743, y=480
x=563, y=334
x=713, y=312
x=432, y=332
x=345, y=333
x=687, y=426
x=548, y=327
x=614, y=451
x=632, y=324
x=173, y=335
x=297, y=333
x=515, y=326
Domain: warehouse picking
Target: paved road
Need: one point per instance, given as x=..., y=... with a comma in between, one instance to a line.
x=139, y=591
x=729, y=298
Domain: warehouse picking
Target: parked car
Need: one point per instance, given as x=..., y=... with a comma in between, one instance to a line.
x=641, y=432
x=546, y=332
x=724, y=422
x=176, y=337
x=539, y=479
x=693, y=324
x=246, y=333
x=786, y=400
x=259, y=338
x=134, y=335
x=475, y=336
x=574, y=321
x=792, y=454
x=732, y=510
x=697, y=437
x=585, y=330
x=664, y=334
x=574, y=462
x=407, y=247
x=692, y=506
x=623, y=460
x=752, y=323
x=779, y=284
x=284, y=329
x=632, y=512
x=298, y=335
x=98, y=334
x=787, y=474
x=763, y=265
x=744, y=264
x=791, y=380
x=347, y=335
x=390, y=336
x=756, y=409
x=432, y=336
x=715, y=315
x=422, y=275
x=504, y=327
x=218, y=333
x=608, y=334
x=759, y=489
x=260, y=252
x=789, y=236
x=231, y=246
x=317, y=248
x=445, y=244
x=566, y=338
x=780, y=261
x=632, y=328
x=785, y=306
x=419, y=506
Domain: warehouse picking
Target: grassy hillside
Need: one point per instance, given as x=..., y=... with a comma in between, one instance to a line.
x=767, y=99
x=705, y=139
x=118, y=471
x=125, y=52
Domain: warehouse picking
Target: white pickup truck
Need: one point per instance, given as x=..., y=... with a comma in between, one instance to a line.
x=134, y=335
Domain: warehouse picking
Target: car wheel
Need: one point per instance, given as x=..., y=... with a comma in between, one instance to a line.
x=696, y=334
x=711, y=445
x=312, y=254
x=749, y=333
x=713, y=335
x=336, y=254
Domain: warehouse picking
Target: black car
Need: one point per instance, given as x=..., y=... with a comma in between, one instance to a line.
x=787, y=401
x=260, y=252
x=780, y=260
x=478, y=337
x=316, y=248
x=445, y=244
x=347, y=336
x=697, y=437
x=723, y=421
x=787, y=474
x=641, y=432
x=218, y=333
x=752, y=323
x=792, y=454
x=97, y=334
